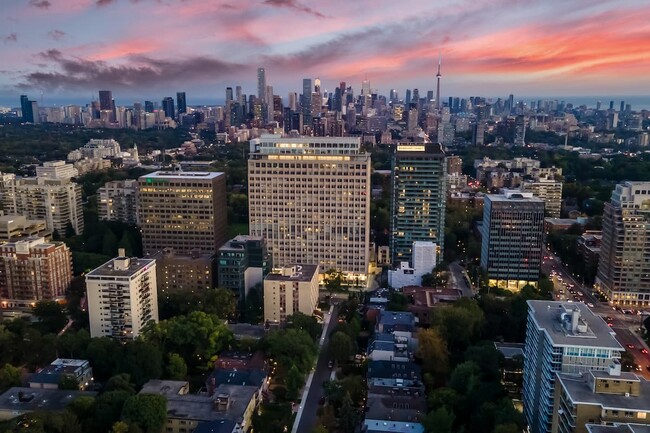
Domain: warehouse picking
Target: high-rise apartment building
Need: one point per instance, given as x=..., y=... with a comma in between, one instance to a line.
x=623, y=270
x=117, y=201
x=512, y=236
x=242, y=263
x=289, y=290
x=183, y=273
x=309, y=197
x=185, y=211
x=418, y=202
x=122, y=297
x=32, y=269
x=57, y=201
x=549, y=191
x=561, y=338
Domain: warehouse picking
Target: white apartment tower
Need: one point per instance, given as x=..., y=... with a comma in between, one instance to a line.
x=309, y=197
x=57, y=201
x=56, y=170
x=117, y=201
x=122, y=297
x=290, y=290
x=561, y=338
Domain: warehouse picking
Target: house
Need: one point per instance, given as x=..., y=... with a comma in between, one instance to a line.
x=19, y=401
x=49, y=377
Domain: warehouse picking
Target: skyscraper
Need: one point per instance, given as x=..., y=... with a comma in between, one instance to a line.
x=623, y=268
x=305, y=101
x=181, y=102
x=261, y=85
x=168, y=106
x=148, y=107
x=512, y=236
x=185, y=211
x=105, y=100
x=26, y=109
x=418, y=202
x=561, y=338
x=228, y=94
x=122, y=297
x=309, y=197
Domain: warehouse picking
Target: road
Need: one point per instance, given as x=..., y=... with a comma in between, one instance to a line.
x=622, y=324
x=306, y=417
x=457, y=279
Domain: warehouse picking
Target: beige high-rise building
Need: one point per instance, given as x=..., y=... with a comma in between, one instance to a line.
x=57, y=201
x=33, y=269
x=550, y=191
x=290, y=290
x=309, y=197
x=185, y=211
x=122, y=297
x=56, y=170
x=117, y=201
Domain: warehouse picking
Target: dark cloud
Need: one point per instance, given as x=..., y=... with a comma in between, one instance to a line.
x=69, y=73
x=12, y=37
x=104, y=2
x=41, y=4
x=57, y=35
x=294, y=4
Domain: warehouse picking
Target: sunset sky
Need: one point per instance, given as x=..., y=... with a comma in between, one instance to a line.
x=69, y=49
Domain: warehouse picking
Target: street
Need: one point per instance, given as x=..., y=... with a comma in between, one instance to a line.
x=457, y=280
x=306, y=417
x=623, y=325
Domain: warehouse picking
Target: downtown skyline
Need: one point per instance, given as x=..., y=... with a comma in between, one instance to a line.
x=145, y=49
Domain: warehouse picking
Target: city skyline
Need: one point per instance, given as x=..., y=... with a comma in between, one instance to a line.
x=69, y=49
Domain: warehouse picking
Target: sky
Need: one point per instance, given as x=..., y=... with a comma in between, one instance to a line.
x=147, y=49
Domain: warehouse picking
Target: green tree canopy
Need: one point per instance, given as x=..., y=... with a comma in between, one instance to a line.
x=432, y=350
x=176, y=368
x=9, y=376
x=341, y=347
x=149, y=411
x=291, y=346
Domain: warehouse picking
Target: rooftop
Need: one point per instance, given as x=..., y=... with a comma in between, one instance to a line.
x=510, y=350
x=203, y=407
x=18, y=400
x=184, y=175
x=620, y=428
x=388, y=318
x=556, y=319
x=246, y=330
x=293, y=273
x=381, y=426
x=217, y=426
x=121, y=267
x=579, y=391
x=515, y=195
x=165, y=387
x=394, y=407
x=239, y=377
x=392, y=369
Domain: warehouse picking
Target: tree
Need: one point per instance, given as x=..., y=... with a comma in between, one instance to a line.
x=465, y=378
x=397, y=302
x=432, y=350
x=104, y=354
x=294, y=381
x=291, y=346
x=440, y=420
x=254, y=306
x=108, y=408
x=306, y=323
x=69, y=230
x=333, y=281
x=439, y=397
x=68, y=382
x=51, y=315
x=348, y=415
x=120, y=382
x=9, y=376
x=507, y=428
x=109, y=243
x=220, y=302
x=176, y=367
x=341, y=347
x=120, y=427
x=149, y=411
x=127, y=243
x=320, y=428
x=73, y=344
x=460, y=323
x=143, y=361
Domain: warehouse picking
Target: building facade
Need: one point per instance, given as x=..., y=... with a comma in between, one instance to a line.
x=117, y=201
x=57, y=201
x=512, y=236
x=418, y=202
x=122, y=297
x=14, y=227
x=32, y=270
x=565, y=338
x=290, y=290
x=242, y=263
x=309, y=197
x=623, y=271
x=183, y=273
x=549, y=191
x=185, y=211
x=56, y=170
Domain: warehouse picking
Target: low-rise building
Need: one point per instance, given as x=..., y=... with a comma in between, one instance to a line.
x=390, y=347
x=49, y=377
x=396, y=322
x=183, y=273
x=14, y=227
x=19, y=401
x=290, y=290
x=382, y=426
x=424, y=299
x=599, y=397
x=410, y=274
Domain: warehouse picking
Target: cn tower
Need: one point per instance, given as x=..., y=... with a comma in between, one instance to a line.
x=438, y=76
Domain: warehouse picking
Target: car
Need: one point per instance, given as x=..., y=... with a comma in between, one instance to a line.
x=321, y=401
x=644, y=351
x=608, y=319
x=590, y=305
x=630, y=346
x=330, y=364
x=638, y=368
